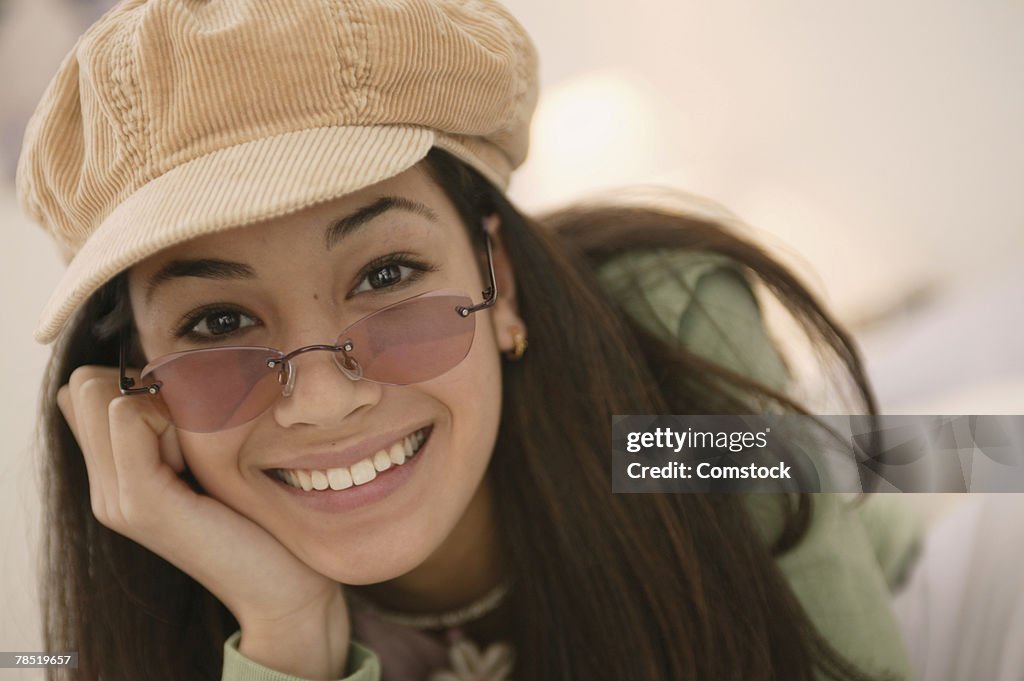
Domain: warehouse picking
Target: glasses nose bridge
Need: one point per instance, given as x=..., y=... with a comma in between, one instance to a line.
x=347, y=366
x=346, y=347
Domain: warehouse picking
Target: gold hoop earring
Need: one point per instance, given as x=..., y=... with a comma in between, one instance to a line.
x=519, y=339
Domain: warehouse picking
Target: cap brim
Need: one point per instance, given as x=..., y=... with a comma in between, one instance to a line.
x=237, y=185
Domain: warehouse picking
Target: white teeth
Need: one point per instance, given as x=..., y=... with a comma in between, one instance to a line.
x=363, y=472
x=396, y=454
x=360, y=472
x=381, y=461
x=319, y=480
x=340, y=478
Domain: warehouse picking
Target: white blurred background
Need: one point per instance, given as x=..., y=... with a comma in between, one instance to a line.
x=876, y=147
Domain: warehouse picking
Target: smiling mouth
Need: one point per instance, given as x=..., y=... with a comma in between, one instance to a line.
x=359, y=473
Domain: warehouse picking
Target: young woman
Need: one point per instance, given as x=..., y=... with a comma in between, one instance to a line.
x=323, y=404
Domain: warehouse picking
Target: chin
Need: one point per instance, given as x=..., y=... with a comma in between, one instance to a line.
x=360, y=563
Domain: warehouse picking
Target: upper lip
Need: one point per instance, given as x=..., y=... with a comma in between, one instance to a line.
x=344, y=456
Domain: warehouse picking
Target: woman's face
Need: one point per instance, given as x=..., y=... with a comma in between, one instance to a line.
x=288, y=290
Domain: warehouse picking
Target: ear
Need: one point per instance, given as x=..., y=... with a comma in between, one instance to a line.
x=505, y=311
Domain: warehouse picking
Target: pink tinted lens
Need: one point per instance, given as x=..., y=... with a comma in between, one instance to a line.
x=413, y=341
x=216, y=388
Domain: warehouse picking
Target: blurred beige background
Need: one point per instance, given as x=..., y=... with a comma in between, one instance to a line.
x=876, y=147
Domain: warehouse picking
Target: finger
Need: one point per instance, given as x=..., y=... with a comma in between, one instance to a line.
x=136, y=431
x=67, y=409
x=169, y=446
x=90, y=403
x=74, y=402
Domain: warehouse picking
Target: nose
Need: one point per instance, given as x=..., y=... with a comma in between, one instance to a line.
x=321, y=387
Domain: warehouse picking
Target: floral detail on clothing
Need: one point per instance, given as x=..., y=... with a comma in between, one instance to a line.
x=468, y=663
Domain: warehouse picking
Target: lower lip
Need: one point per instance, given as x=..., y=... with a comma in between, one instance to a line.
x=356, y=496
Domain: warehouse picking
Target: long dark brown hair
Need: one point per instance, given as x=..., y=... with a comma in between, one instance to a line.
x=612, y=586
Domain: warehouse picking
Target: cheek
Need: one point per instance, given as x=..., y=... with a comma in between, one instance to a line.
x=213, y=459
x=473, y=392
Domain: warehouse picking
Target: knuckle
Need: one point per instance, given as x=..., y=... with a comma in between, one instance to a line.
x=94, y=388
x=110, y=513
x=99, y=509
x=120, y=407
x=135, y=512
x=65, y=406
x=81, y=375
x=78, y=375
x=126, y=410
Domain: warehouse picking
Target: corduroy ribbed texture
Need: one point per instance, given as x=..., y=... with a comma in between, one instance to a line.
x=171, y=119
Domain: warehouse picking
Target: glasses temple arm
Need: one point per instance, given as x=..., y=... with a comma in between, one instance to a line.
x=126, y=383
x=490, y=293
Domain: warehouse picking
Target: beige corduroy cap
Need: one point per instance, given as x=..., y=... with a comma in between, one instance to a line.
x=171, y=119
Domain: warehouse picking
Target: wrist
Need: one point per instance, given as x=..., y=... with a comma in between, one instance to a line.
x=313, y=644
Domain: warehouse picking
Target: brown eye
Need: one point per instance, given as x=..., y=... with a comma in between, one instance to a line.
x=212, y=323
x=394, y=270
x=386, y=276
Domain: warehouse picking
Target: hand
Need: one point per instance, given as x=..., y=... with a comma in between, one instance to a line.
x=134, y=459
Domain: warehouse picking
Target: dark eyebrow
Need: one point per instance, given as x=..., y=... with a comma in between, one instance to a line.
x=207, y=268
x=346, y=225
x=214, y=268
